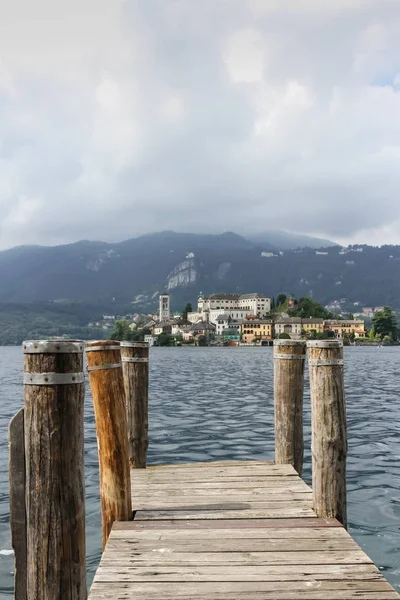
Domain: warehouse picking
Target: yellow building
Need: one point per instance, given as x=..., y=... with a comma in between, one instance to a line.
x=347, y=328
x=312, y=325
x=256, y=329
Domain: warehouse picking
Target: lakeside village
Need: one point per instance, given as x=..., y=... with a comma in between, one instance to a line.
x=253, y=319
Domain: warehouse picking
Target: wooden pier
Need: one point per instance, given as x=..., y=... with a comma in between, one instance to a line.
x=239, y=530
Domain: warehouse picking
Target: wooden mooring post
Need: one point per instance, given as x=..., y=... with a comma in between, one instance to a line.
x=135, y=367
x=329, y=432
x=289, y=359
x=47, y=473
x=107, y=385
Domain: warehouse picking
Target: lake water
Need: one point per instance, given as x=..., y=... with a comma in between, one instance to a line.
x=217, y=404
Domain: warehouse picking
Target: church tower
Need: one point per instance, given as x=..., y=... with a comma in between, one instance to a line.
x=164, y=312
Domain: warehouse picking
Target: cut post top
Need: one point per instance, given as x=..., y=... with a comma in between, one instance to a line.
x=297, y=343
x=53, y=347
x=102, y=345
x=134, y=345
x=325, y=344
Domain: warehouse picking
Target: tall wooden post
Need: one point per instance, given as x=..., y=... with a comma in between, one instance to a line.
x=16, y=472
x=289, y=358
x=329, y=433
x=135, y=367
x=54, y=393
x=107, y=385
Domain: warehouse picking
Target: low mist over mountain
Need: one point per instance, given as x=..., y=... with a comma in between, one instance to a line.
x=289, y=241
x=137, y=270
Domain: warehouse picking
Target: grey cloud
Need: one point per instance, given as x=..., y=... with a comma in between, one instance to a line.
x=118, y=118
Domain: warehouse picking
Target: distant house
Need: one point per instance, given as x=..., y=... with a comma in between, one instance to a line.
x=148, y=323
x=177, y=328
x=256, y=329
x=346, y=328
x=378, y=308
x=163, y=327
x=312, y=325
x=291, y=325
x=202, y=328
x=150, y=339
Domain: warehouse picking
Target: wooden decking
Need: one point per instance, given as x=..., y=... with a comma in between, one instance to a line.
x=238, y=530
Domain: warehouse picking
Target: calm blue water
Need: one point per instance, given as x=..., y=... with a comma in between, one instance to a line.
x=217, y=404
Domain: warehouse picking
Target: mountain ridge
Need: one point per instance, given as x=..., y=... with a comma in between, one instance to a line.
x=134, y=271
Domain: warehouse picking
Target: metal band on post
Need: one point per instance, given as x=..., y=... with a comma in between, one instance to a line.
x=134, y=360
x=104, y=367
x=325, y=344
x=134, y=345
x=338, y=362
x=53, y=378
x=100, y=348
x=290, y=356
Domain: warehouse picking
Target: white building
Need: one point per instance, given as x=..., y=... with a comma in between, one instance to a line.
x=290, y=325
x=165, y=309
x=150, y=339
x=221, y=323
x=163, y=327
x=224, y=321
x=195, y=317
x=237, y=306
x=233, y=314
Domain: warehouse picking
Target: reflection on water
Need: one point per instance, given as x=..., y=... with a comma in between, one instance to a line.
x=217, y=404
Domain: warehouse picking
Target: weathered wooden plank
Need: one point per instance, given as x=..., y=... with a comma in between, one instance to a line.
x=247, y=590
x=17, y=502
x=209, y=474
x=222, y=491
x=267, y=513
x=280, y=533
x=214, y=504
x=235, y=484
x=123, y=557
x=195, y=465
x=365, y=572
x=146, y=503
x=239, y=523
x=243, y=469
x=183, y=588
x=226, y=545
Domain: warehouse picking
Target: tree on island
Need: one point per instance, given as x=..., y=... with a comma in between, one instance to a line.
x=306, y=308
x=202, y=340
x=165, y=339
x=273, y=305
x=123, y=333
x=280, y=299
x=284, y=336
x=188, y=308
x=384, y=324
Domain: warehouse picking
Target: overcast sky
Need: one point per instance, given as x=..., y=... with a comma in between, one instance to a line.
x=123, y=117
